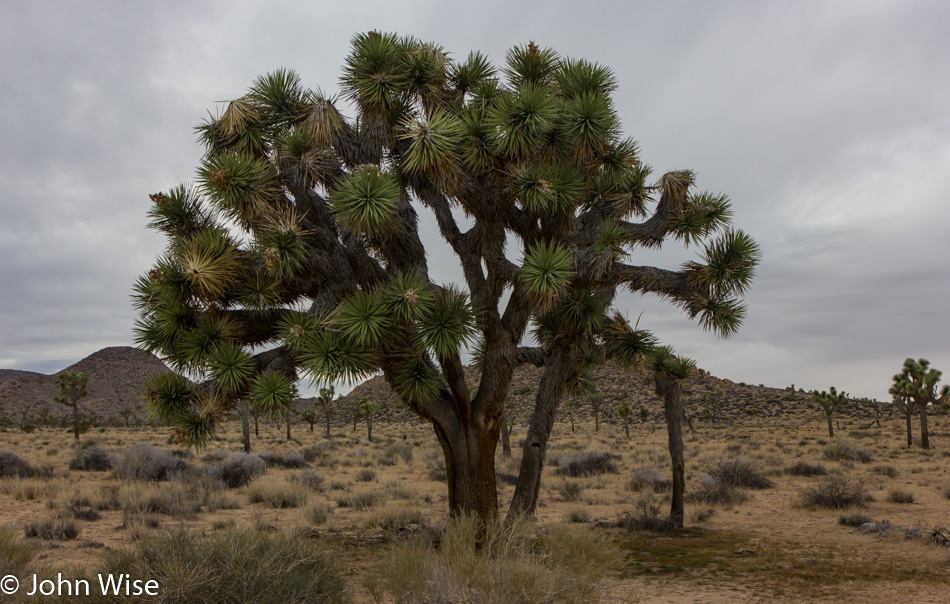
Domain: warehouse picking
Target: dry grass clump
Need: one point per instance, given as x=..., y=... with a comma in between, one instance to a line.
x=844, y=450
x=316, y=513
x=277, y=492
x=739, y=472
x=900, y=496
x=396, y=451
x=91, y=459
x=236, y=566
x=173, y=499
x=854, y=518
x=586, y=463
x=361, y=500
x=647, y=515
x=649, y=478
x=49, y=530
x=803, y=468
x=319, y=454
x=366, y=475
x=237, y=470
x=888, y=471
x=15, y=555
x=577, y=516
x=570, y=490
x=712, y=491
x=397, y=518
x=308, y=478
x=142, y=461
x=837, y=492
x=514, y=564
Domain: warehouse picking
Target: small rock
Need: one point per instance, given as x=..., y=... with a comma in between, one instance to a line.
x=747, y=552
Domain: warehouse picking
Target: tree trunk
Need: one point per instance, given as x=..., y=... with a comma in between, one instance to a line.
x=369, y=428
x=675, y=416
x=505, y=436
x=910, y=430
x=246, y=426
x=626, y=427
x=470, y=470
x=550, y=389
x=326, y=415
x=76, y=421
x=831, y=431
x=288, y=426
x=924, y=435
x=571, y=415
x=257, y=432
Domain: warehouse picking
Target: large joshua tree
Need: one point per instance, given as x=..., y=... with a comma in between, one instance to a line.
x=917, y=382
x=299, y=250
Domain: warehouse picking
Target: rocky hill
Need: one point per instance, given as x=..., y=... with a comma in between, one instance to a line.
x=708, y=398
x=116, y=375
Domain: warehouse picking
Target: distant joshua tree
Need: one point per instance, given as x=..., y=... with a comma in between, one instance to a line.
x=72, y=389
x=325, y=398
x=831, y=402
x=918, y=382
x=367, y=409
x=309, y=416
x=908, y=408
x=596, y=400
x=669, y=372
x=623, y=411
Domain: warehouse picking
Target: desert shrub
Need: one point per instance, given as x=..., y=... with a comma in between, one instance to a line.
x=702, y=514
x=740, y=473
x=12, y=465
x=437, y=470
x=316, y=513
x=366, y=475
x=587, y=463
x=318, y=454
x=843, y=450
x=361, y=500
x=899, y=496
x=59, y=530
x=92, y=459
x=804, y=468
x=277, y=492
x=173, y=499
x=570, y=490
x=854, y=518
x=714, y=492
x=397, y=491
x=514, y=564
x=308, y=478
x=888, y=471
x=647, y=515
x=395, y=518
x=15, y=555
x=577, y=516
x=837, y=492
x=29, y=489
x=142, y=461
x=649, y=478
x=236, y=566
x=293, y=459
x=403, y=450
x=237, y=470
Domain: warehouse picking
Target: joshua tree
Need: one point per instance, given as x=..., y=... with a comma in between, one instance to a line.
x=570, y=405
x=25, y=425
x=72, y=389
x=126, y=414
x=596, y=401
x=669, y=371
x=918, y=382
x=332, y=276
x=831, y=402
x=325, y=398
x=908, y=408
x=623, y=411
x=309, y=416
x=367, y=409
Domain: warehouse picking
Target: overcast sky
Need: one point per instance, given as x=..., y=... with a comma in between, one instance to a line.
x=827, y=124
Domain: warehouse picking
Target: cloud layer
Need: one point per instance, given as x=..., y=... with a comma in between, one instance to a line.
x=826, y=123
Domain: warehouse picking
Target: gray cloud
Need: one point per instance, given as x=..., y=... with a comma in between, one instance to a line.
x=826, y=124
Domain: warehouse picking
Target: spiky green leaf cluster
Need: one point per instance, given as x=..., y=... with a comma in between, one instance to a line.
x=273, y=393
x=547, y=269
x=366, y=200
